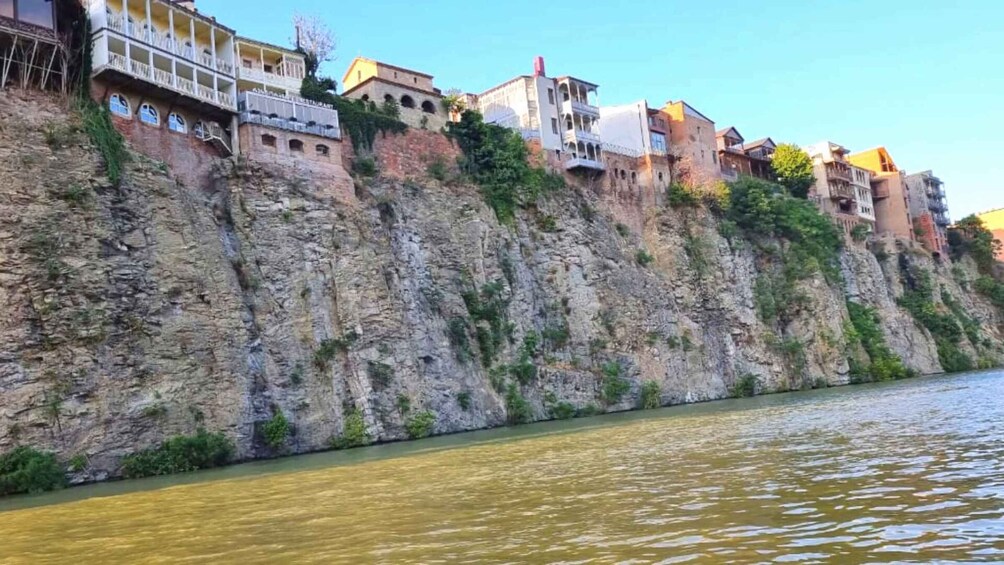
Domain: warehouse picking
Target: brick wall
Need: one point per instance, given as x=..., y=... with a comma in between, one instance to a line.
x=409, y=154
x=189, y=158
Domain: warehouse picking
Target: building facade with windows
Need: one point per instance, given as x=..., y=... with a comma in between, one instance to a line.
x=693, y=143
x=837, y=191
x=32, y=33
x=420, y=102
x=890, y=193
x=162, y=65
x=562, y=113
x=738, y=158
x=634, y=142
x=993, y=220
x=929, y=209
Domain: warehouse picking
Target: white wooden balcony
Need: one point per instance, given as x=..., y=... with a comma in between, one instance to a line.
x=584, y=163
x=259, y=75
x=577, y=135
x=290, y=113
x=161, y=77
x=163, y=42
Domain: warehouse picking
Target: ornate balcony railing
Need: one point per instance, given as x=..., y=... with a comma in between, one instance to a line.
x=166, y=42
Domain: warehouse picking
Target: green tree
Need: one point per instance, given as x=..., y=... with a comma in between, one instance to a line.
x=970, y=236
x=793, y=168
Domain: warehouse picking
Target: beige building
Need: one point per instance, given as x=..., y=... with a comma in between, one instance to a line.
x=693, y=143
x=266, y=67
x=420, y=101
x=889, y=192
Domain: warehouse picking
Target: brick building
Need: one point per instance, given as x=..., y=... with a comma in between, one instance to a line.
x=929, y=209
x=693, y=143
x=419, y=100
x=889, y=192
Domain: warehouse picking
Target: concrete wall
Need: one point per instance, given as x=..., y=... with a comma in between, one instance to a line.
x=626, y=125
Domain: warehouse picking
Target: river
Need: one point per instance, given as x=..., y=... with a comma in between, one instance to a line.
x=906, y=471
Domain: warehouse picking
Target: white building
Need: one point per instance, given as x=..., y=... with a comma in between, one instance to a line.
x=842, y=190
x=631, y=127
x=562, y=113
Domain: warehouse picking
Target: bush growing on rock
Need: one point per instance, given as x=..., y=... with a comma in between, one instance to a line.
x=354, y=433
x=180, y=454
x=614, y=385
x=745, y=386
x=517, y=408
x=420, y=425
x=28, y=470
x=276, y=430
x=651, y=395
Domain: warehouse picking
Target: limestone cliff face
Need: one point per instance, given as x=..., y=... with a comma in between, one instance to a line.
x=139, y=312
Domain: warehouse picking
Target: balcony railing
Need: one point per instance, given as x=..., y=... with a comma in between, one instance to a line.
x=577, y=107
x=289, y=113
x=838, y=173
x=584, y=163
x=842, y=192
x=167, y=79
x=165, y=42
x=256, y=74
x=577, y=135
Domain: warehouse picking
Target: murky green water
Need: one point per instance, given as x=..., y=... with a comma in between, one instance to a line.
x=910, y=471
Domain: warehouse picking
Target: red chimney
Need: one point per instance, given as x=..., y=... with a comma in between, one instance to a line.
x=538, y=67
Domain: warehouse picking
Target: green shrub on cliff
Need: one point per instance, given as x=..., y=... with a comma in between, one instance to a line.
x=276, y=430
x=745, y=386
x=517, y=408
x=866, y=331
x=614, y=385
x=27, y=470
x=180, y=454
x=651, y=395
x=354, y=433
x=918, y=300
x=420, y=425
x=497, y=159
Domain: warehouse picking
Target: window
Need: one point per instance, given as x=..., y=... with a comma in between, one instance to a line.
x=660, y=176
x=407, y=101
x=550, y=96
x=395, y=74
x=149, y=115
x=296, y=146
x=322, y=150
x=554, y=125
x=269, y=69
x=428, y=107
x=623, y=174
x=119, y=105
x=268, y=140
x=34, y=12
x=658, y=141
x=415, y=79
x=177, y=123
x=634, y=177
x=246, y=63
x=199, y=129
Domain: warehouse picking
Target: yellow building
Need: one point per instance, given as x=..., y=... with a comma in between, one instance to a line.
x=420, y=102
x=994, y=221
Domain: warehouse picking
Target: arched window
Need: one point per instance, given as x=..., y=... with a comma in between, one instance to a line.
x=407, y=101
x=388, y=98
x=366, y=97
x=623, y=174
x=268, y=140
x=177, y=123
x=322, y=150
x=428, y=107
x=296, y=145
x=119, y=105
x=660, y=176
x=634, y=177
x=149, y=115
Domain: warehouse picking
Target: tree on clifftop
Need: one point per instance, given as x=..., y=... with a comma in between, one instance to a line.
x=794, y=169
x=314, y=38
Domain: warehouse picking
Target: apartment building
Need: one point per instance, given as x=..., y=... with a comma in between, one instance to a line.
x=889, y=193
x=162, y=64
x=562, y=113
x=929, y=209
x=693, y=142
x=419, y=100
x=835, y=191
x=993, y=220
x=738, y=158
x=634, y=141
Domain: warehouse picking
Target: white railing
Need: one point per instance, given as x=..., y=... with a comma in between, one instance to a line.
x=527, y=133
x=257, y=74
x=186, y=85
x=574, y=106
x=166, y=42
x=205, y=92
x=621, y=150
x=163, y=77
x=584, y=163
x=226, y=99
x=289, y=113
x=574, y=135
x=118, y=61
x=139, y=69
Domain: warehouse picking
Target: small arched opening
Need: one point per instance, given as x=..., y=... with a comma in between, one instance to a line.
x=296, y=146
x=407, y=101
x=428, y=107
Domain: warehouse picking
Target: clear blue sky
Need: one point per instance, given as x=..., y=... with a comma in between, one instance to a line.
x=925, y=78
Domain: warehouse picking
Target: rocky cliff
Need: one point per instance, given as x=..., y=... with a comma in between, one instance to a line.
x=150, y=309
